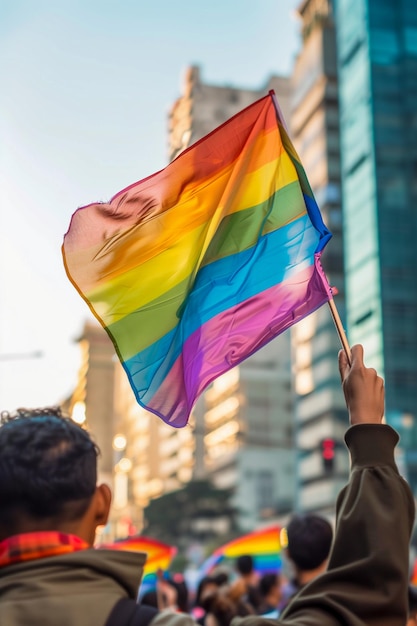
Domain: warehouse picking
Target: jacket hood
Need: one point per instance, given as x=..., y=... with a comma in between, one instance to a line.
x=78, y=587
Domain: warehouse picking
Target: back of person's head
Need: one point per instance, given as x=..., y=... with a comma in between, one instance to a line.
x=267, y=583
x=223, y=607
x=178, y=583
x=310, y=538
x=48, y=469
x=244, y=564
x=206, y=587
x=221, y=578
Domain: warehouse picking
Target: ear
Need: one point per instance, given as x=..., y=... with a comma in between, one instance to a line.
x=102, y=499
x=96, y=514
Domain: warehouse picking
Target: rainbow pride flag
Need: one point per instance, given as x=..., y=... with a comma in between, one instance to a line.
x=413, y=577
x=263, y=545
x=159, y=554
x=198, y=266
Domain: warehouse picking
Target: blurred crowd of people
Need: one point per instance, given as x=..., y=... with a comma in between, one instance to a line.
x=224, y=594
x=307, y=540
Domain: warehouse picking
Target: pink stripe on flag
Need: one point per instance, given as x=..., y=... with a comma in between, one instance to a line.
x=235, y=335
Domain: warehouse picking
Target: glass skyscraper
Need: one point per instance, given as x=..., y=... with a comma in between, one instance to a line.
x=377, y=63
x=320, y=410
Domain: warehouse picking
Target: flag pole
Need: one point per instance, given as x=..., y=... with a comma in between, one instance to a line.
x=333, y=309
x=340, y=330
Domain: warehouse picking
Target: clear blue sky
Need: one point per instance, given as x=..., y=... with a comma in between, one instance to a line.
x=86, y=89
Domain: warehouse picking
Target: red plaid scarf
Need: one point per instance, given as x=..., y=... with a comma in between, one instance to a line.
x=29, y=546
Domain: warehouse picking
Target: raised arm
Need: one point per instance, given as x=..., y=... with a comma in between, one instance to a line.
x=367, y=578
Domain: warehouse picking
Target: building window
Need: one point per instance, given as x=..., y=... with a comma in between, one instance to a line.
x=264, y=490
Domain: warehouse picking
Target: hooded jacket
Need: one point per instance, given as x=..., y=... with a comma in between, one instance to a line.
x=75, y=589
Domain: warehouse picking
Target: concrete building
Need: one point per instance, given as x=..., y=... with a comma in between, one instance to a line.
x=244, y=423
x=314, y=124
x=160, y=458
x=377, y=56
x=92, y=400
x=203, y=107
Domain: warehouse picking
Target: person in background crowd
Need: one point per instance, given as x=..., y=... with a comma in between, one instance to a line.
x=221, y=577
x=309, y=539
x=177, y=582
x=270, y=590
x=207, y=587
x=245, y=587
x=222, y=606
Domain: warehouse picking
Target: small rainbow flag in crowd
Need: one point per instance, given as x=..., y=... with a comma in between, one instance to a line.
x=413, y=577
x=263, y=545
x=159, y=555
x=198, y=266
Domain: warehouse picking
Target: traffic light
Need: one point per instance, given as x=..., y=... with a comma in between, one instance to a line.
x=328, y=453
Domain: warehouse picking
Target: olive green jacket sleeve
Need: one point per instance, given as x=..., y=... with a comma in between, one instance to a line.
x=367, y=578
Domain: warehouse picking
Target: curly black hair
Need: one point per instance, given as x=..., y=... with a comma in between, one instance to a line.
x=48, y=466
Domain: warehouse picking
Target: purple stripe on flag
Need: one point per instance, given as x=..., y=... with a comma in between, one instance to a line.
x=235, y=334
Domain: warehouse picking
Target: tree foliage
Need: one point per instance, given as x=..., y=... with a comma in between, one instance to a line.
x=198, y=512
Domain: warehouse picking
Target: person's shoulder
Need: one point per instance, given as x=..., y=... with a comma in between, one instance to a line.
x=172, y=618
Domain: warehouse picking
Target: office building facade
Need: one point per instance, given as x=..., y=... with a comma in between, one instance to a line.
x=377, y=57
x=320, y=411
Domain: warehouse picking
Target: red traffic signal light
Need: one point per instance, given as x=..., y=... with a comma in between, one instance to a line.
x=328, y=452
